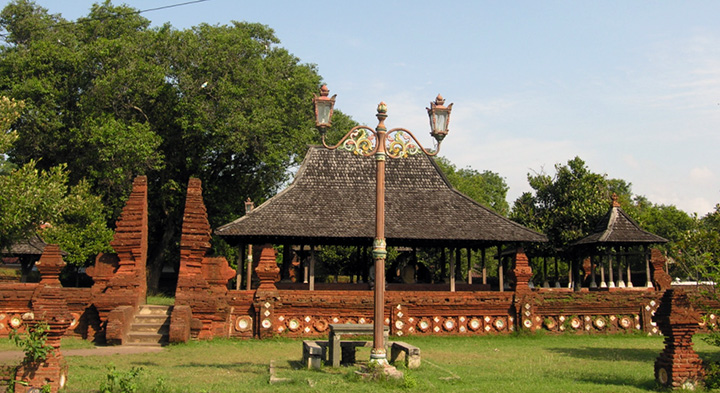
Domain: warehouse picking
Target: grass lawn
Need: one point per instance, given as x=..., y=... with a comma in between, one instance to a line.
x=522, y=363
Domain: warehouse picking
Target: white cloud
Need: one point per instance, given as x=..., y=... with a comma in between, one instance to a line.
x=701, y=174
x=631, y=161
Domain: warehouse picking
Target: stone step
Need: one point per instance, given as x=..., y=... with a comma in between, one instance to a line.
x=150, y=328
x=149, y=309
x=156, y=319
x=146, y=339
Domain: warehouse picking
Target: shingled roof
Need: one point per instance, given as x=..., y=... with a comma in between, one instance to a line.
x=617, y=228
x=332, y=201
x=34, y=245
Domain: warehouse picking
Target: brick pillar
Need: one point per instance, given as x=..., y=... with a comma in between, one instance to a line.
x=266, y=294
x=522, y=272
x=678, y=366
x=49, y=305
x=661, y=280
x=524, y=299
x=202, y=280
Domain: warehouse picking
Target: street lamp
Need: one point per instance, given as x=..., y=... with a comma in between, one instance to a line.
x=381, y=143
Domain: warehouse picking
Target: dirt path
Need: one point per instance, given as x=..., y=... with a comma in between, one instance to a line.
x=16, y=356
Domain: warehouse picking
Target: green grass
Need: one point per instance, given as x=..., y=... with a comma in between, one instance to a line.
x=522, y=363
x=160, y=300
x=66, y=343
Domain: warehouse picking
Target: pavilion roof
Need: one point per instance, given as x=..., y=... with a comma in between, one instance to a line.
x=332, y=201
x=34, y=245
x=617, y=228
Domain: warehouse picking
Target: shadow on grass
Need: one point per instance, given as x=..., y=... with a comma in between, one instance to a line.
x=146, y=364
x=325, y=369
x=248, y=367
x=614, y=380
x=296, y=364
x=611, y=354
x=712, y=356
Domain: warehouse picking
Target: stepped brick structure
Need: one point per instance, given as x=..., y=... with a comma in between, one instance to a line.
x=266, y=295
x=49, y=305
x=661, y=279
x=121, y=283
x=678, y=366
x=201, y=306
x=524, y=309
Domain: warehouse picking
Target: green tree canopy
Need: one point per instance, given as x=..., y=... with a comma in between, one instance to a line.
x=487, y=188
x=567, y=206
x=663, y=220
x=31, y=198
x=112, y=98
x=697, y=251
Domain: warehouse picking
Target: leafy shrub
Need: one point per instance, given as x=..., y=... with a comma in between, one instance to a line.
x=33, y=341
x=712, y=375
x=121, y=382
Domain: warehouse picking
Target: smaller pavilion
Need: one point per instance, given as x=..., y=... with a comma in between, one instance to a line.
x=617, y=238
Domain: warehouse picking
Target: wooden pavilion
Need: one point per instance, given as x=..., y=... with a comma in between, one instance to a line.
x=332, y=202
x=617, y=237
x=23, y=254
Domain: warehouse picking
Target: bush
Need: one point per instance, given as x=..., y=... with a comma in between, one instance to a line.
x=121, y=382
x=33, y=341
x=712, y=375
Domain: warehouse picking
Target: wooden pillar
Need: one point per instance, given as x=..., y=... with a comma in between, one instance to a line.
x=603, y=284
x=239, y=269
x=545, y=284
x=593, y=284
x=501, y=279
x=611, y=284
x=312, y=267
x=452, y=271
x=443, y=268
x=286, y=262
x=305, y=265
x=646, y=254
x=484, y=268
x=469, y=265
x=248, y=275
x=629, y=271
x=577, y=282
x=621, y=283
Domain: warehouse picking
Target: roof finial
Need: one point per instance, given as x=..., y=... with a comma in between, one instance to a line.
x=615, y=202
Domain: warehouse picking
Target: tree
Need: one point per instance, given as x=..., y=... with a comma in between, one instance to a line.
x=112, y=98
x=80, y=230
x=663, y=220
x=567, y=207
x=697, y=251
x=487, y=188
x=31, y=198
x=9, y=113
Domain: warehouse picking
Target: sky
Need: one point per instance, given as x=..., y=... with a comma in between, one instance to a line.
x=631, y=87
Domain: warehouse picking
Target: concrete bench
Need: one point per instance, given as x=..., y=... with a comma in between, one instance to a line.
x=348, y=352
x=314, y=353
x=400, y=350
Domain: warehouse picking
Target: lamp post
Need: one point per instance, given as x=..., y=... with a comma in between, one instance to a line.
x=381, y=143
